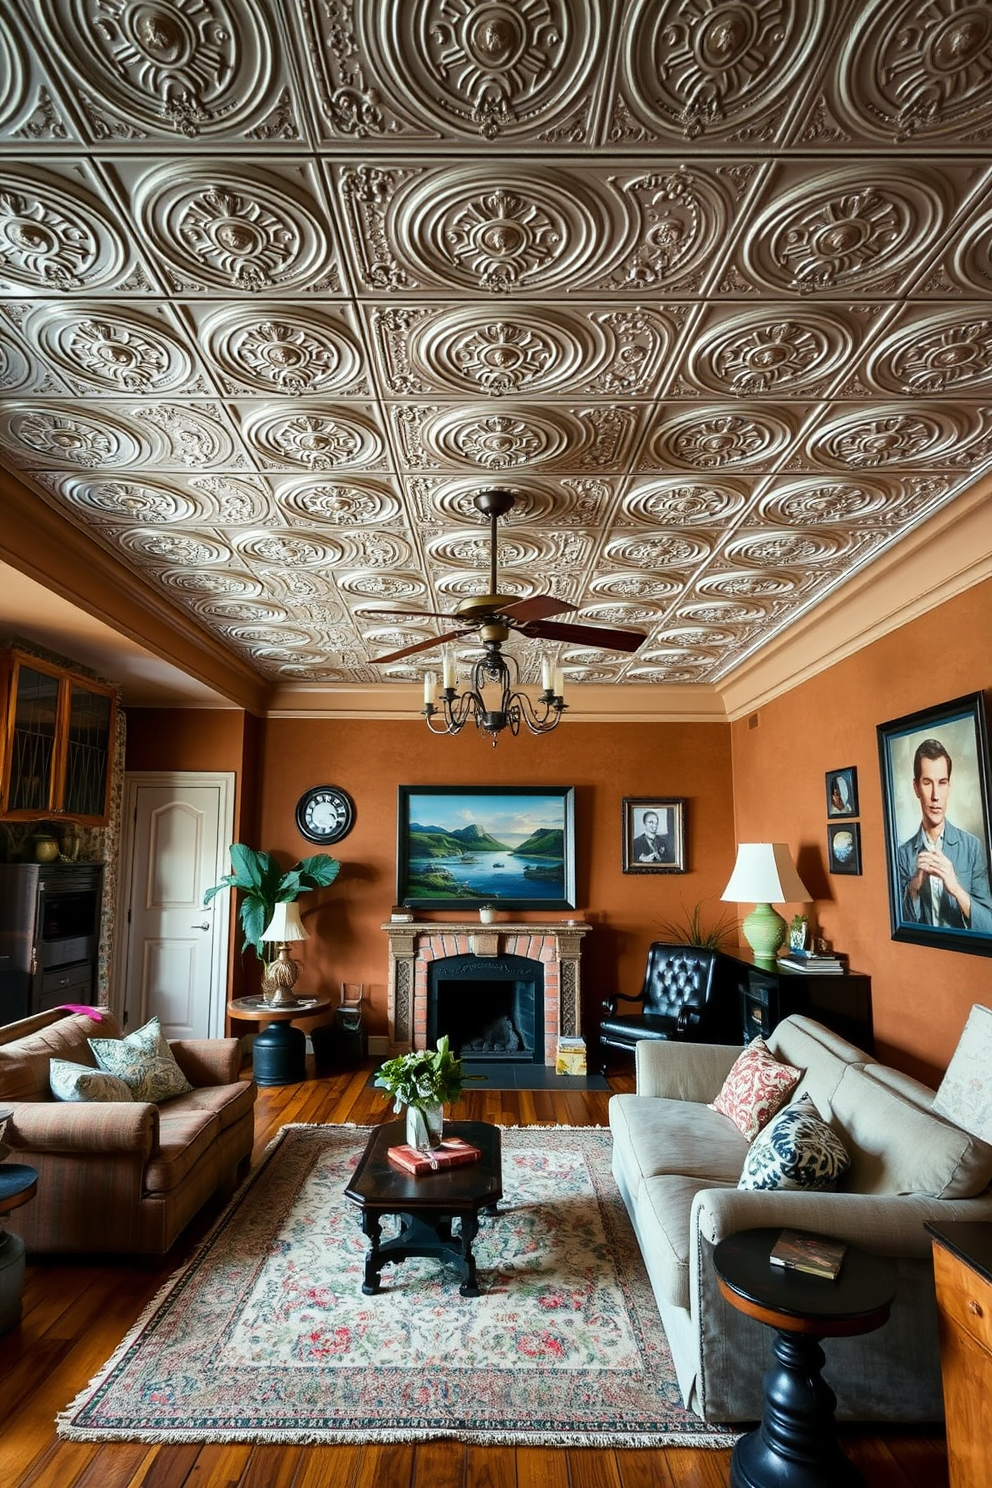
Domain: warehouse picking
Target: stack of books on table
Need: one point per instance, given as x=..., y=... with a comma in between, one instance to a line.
x=815, y=1255
x=813, y=961
x=452, y=1153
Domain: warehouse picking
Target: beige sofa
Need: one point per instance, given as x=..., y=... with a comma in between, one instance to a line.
x=677, y=1164
x=119, y=1176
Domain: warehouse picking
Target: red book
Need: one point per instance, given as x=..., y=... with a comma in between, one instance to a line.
x=452, y=1153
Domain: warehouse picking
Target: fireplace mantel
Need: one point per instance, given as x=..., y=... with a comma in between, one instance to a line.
x=413, y=944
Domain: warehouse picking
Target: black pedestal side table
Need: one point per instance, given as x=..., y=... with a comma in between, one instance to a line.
x=18, y=1183
x=796, y=1444
x=279, y=1053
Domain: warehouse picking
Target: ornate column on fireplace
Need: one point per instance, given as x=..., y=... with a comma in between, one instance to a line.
x=414, y=945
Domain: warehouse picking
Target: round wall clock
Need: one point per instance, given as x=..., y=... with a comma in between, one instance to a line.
x=325, y=813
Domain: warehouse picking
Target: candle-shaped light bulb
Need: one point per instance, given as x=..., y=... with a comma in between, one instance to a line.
x=547, y=675
x=448, y=666
x=559, y=682
x=430, y=683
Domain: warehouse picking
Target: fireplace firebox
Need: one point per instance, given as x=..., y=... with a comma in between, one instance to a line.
x=491, y=1008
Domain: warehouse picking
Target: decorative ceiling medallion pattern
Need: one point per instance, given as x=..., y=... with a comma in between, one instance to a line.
x=705, y=283
x=191, y=66
x=709, y=67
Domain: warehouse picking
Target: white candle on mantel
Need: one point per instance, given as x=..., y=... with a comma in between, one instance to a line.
x=430, y=683
x=546, y=674
x=449, y=670
x=559, y=682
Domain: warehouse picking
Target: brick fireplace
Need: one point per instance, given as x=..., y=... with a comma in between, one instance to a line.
x=413, y=946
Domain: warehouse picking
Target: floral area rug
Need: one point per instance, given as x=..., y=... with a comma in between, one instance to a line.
x=265, y=1336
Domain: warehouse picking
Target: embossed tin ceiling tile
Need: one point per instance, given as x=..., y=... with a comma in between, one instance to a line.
x=283, y=636
x=641, y=586
x=286, y=350
x=219, y=227
x=182, y=436
x=233, y=502
x=948, y=353
x=53, y=434
x=696, y=636
x=712, y=438
x=580, y=673
x=393, y=638
x=193, y=581
x=659, y=549
x=922, y=73
x=833, y=231
x=114, y=350
x=131, y=501
x=892, y=435
x=768, y=548
x=778, y=350
x=682, y=219
x=769, y=584
x=458, y=549
x=15, y=68
x=375, y=550
x=23, y=373
x=337, y=503
x=506, y=229
x=831, y=501
x=712, y=69
x=500, y=439
x=54, y=235
x=467, y=585
x=387, y=587
x=533, y=500
x=673, y=673
x=187, y=68
x=316, y=439
x=723, y=611
x=971, y=260
x=168, y=548
x=619, y=613
x=674, y=502
x=287, y=549
x=426, y=69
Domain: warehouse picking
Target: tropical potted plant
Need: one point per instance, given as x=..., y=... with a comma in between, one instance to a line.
x=423, y=1082
x=263, y=884
x=691, y=931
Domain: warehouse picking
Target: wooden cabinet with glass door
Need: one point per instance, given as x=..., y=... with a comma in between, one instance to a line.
x=57, y=741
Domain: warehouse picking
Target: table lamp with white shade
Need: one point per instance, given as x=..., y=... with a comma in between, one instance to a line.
x=763, y=875
x=284, y=927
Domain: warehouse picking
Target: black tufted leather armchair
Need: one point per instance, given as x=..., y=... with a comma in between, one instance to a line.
x=686, y=995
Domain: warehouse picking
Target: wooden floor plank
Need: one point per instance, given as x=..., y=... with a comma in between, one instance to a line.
x=218, y=1465
x=491, y=1467
x=592, y=1467
x=388, y=1465
x=542, y=1467
x=328, y=1467
x=440, y=1465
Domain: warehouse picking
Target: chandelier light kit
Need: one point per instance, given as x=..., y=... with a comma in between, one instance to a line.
x=493, y=616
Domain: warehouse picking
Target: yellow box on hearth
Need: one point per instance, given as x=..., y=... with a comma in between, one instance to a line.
x=571, y=1057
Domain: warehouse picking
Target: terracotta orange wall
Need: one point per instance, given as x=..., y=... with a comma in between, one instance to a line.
x=603, y=762
x=921, y=996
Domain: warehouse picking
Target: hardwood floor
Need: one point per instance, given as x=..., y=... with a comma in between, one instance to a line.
x=76, y=1313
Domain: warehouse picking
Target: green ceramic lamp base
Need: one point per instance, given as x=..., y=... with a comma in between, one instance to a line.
x=764, y=929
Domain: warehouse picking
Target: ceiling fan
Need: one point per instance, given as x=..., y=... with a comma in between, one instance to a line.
x=494, y=616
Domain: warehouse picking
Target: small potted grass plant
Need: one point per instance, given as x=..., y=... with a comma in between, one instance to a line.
x=423, y=1082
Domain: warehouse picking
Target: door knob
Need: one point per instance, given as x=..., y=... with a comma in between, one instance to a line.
x=204, y=926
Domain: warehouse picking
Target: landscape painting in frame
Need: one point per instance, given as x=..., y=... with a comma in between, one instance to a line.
x=459, y=847
x=935, y=798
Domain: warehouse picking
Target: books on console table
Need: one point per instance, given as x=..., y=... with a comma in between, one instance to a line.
x=815, y=1255
x=811, y=961
x=452, y=1153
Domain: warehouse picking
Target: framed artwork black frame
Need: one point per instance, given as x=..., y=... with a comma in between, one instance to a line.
x=461, y=869
x=842, y=792
x=639, y=853
x=926, y=907
x=844, y=847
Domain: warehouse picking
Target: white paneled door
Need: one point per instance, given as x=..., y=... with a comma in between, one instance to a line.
x=174, y=951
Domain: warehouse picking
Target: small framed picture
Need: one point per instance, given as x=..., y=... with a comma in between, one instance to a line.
x=654, y=834
x=842, y=792
x=844, y=848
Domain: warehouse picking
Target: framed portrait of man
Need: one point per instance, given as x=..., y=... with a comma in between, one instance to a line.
x=653, y=834
x=935, y=795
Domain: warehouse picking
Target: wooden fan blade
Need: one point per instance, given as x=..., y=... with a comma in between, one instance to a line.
x=585, y=635
x=452, y=635
x=538, y=607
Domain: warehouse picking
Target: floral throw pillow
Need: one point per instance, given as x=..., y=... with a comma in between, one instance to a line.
x=797, y=1149
x=80, y=1082
x=144, y=1061
x=756, y=1087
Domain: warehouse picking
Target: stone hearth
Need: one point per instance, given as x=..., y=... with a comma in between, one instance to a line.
x=413, y=945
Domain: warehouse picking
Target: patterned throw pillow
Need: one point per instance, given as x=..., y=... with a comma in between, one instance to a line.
x=757, y=1086
x=797, y=1149
x=144, y=1061
x=80, y=1082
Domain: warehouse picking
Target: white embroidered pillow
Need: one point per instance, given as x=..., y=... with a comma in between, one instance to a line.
x=144, y=1061
x=81, y=1082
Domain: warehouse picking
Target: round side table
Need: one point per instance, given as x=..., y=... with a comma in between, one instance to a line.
x=279, y=1053
x=796, y=1443
x=18, y=1183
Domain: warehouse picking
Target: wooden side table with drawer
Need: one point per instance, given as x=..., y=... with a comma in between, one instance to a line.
x=962, y=1264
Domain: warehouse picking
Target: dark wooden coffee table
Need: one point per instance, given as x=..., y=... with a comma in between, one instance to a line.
x=426, y=1203
x=796, y=1444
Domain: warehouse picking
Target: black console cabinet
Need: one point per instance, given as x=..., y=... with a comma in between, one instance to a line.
x=766, y=995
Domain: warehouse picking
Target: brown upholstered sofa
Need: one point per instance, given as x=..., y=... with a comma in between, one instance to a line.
x=123, y=1176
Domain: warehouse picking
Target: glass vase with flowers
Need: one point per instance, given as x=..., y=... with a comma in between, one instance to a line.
x=423, y=1082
